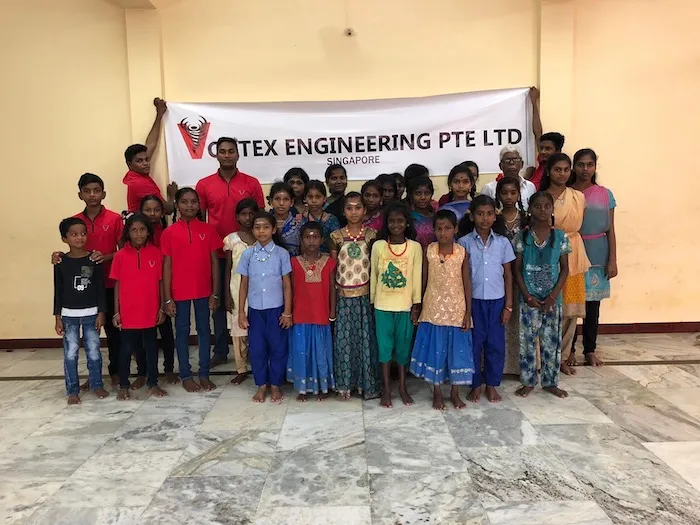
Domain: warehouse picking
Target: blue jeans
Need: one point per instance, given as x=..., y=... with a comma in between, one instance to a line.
x=182, y=335
x=71, y=346
x=219, y=315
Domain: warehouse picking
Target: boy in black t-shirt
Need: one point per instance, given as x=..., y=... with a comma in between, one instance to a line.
x=79, y=301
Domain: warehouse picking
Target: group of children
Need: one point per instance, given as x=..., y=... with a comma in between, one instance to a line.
x=325, y=292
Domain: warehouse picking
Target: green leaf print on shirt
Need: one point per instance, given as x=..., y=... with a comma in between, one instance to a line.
x=393, y=278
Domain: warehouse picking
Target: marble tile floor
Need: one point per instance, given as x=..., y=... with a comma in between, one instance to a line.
x=623, y=448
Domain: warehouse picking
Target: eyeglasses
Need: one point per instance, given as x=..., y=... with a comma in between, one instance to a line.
x=512, y=161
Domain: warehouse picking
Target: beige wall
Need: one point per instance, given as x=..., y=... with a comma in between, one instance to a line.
x=84, y=74
x=623, y=77
x=64, y=102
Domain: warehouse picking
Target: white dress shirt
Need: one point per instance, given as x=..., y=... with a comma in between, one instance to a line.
x=527, y=190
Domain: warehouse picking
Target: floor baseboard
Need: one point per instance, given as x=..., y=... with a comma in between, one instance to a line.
x=608, y=329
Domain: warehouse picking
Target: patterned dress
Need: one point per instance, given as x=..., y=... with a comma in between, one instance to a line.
x=596, y=223
x=512, y=362
x=424, y=229
x=289, y=232
x=376, y=221
x=328, y=222
x=234, y=244
x=356, y=360
x=442, y=350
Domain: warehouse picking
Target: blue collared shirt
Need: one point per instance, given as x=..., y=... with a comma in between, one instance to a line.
x=486, y=262
x=265, y=266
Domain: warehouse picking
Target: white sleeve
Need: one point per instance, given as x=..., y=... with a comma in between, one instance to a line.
x=489, y=190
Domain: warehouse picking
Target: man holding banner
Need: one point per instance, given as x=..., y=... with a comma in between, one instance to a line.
x=219, y=194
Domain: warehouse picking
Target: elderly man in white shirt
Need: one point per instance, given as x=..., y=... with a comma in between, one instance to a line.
x=511, y=164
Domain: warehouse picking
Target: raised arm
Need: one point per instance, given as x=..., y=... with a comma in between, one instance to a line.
x=154, y=134
x=536, y=120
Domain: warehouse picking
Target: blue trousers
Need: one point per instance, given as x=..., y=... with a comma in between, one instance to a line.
x=71, y=345
x=267, y=346
x=489, y=340
x=182, y=335
x=219, y=315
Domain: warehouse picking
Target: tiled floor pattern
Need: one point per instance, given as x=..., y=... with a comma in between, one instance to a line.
x=623, y=448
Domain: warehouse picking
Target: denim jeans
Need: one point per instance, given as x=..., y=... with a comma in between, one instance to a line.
x=219, y=315
x=71, y=346
x=182, y=334
x=143, y=343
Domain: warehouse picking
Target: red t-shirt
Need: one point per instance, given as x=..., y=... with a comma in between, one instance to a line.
x=137, y=187
x=157, y=233
x=189, y=246
x=311, y=304
x=103, y=235
x=536, y=178
x=139, y=273
x=219, y=198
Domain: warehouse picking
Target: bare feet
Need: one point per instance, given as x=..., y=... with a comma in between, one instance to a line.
x=438, y=401
x=492, y=395
x=344, y=396
x=571, y=361
x=239, y=379
x=191, y=385
x=405, y=397
x=323, y=396
x=276, y=395
x=217, y=360
x=207, y=385
x=385, y=401
x=171, y=378
x=85, y=387
x=566, y=369
x=592, y=360
x=260, y=395
x=524, y=391
x=115, y=380
x=474, y=395
x=139, y=383
x=123, y=394
x=74, y=399
x=157, y=391
x=101, y=393
x=302, y=398
x=456, y=401
x=556, y=391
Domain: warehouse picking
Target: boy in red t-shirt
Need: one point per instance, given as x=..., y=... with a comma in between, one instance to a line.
x=104, y=231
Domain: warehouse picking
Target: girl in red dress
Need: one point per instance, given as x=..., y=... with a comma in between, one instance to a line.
x=310, y=362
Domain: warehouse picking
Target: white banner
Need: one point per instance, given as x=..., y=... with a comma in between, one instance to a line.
x=367, y=137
